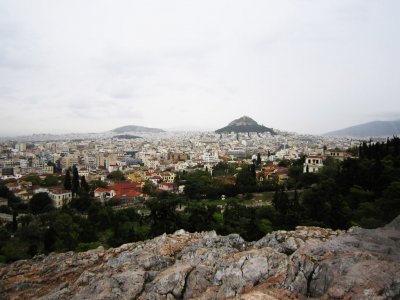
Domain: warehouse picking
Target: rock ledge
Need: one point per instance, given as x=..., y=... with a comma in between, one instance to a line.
x=308, y=262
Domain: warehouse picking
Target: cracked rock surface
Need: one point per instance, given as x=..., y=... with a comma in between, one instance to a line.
x=309, y=262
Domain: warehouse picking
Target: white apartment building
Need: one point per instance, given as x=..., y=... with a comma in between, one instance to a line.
x=210, y=158
x=313, y=164
x=60, y=197
x=152, y=163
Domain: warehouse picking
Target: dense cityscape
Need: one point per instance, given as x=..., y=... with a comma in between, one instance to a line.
x=136, y=185
x=154, y=158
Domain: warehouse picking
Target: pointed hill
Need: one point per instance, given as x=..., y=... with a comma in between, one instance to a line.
x=244, y=124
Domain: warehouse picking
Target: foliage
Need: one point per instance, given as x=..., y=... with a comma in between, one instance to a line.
x=249, y=222
x=67, y=181
x=295, y=175
x=84, y=184
x=163, y=216
x=5, y=209
x=35, y=179
x=258, y=161
x=117, y=176
x=82, y=202
x=149, y=188
x=50, y=180
x=200, y=217
x=284, y=163
x=67, y=232
x=223, y=169
x=75, y=185
x=197, y=184
x=246, y=179
x=94, y=184
x=389, y=202
x=40, y=203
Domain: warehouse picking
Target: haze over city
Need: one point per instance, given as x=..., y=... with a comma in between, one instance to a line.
x=304, y=66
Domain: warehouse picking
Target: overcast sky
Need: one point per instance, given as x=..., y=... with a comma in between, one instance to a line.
x=308, y=66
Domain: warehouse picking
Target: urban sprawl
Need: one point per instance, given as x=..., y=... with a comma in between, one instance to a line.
x=156, y=159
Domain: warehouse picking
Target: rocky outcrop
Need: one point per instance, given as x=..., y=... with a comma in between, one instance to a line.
x=309, y=262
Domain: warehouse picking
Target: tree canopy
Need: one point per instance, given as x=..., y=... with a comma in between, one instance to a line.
x=40, y=203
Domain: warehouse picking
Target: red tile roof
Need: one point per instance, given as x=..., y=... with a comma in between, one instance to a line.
x=127, y=189
x=129, y=194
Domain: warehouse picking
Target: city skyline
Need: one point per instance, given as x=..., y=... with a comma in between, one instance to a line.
x=305, y=66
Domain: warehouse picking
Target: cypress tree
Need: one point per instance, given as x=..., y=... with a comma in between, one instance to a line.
x=84, y=184
x=258, y=159
x=75, y=180
x=253, y=169
x=67, y=181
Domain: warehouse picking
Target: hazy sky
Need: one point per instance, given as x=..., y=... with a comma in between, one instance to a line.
x=308, y=66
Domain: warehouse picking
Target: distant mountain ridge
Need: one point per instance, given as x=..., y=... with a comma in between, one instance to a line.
x=244, y=124
x=370, y=129
x=136, y=128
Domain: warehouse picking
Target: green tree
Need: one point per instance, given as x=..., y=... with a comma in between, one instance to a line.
x=117, y=176
x=100, y=217
x=308, y=179
x=33, y=236
x=67, y=233
x=390, y=201
x=149, y=188
x=315, y=207
x=295, y=173
x=223, y=169
x=84, y=184
x=258, y=162
x=200, y=217
x=264, y=226
x=15, y=249
x=75, y=181
x=281, y=202
x=197, y=184
x=5, y=209
x=35, y=179
x=240, y=219
x=40, y=203
x=164, y=217
x=128, y=228
x=82, y=202
x=67, y=181
x=50, y=180
x=284, y=163
x=245, y=179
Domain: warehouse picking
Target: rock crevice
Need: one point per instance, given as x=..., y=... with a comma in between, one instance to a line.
x=307, y=262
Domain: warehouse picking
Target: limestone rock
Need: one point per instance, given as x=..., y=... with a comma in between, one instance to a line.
x=307, y=262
